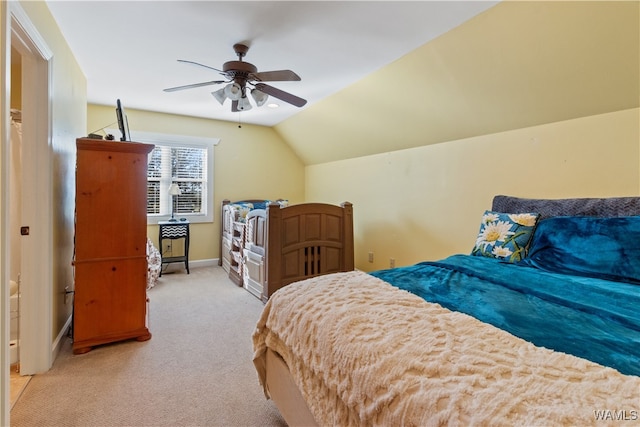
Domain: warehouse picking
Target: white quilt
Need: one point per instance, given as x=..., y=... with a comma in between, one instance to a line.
x=365, y=353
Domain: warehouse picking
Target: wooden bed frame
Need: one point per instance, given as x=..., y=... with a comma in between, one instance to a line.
x=283, y=245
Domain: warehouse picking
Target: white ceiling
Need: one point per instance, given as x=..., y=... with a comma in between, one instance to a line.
x=129, y=49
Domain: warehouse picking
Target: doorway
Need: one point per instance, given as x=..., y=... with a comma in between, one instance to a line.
x=17, y=382
x=15, y=209
x=21, y=36
x=36, y=210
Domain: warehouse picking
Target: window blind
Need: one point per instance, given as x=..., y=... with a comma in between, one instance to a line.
x=185, y=166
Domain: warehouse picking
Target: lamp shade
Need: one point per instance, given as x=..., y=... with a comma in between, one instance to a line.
x=233, y=91
x=244, y=104
x=174, y=190
x=219, y=95
x=259, y=96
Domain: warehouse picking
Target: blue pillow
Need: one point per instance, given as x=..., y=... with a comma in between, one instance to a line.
x=604, y=248
x=505, y=236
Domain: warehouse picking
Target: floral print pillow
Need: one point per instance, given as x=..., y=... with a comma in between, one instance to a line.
x=505, y=236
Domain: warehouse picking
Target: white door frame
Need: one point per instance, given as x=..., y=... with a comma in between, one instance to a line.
x=37, y=266
x=5, y=69
x=36, y=316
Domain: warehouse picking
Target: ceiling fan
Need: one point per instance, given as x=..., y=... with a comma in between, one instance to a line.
x=242, y=79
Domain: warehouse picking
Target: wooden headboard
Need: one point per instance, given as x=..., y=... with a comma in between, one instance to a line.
x=303, y=241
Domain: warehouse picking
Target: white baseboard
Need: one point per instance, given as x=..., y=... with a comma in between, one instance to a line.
x=204, y=263
x=57, y=343
x=199, y=263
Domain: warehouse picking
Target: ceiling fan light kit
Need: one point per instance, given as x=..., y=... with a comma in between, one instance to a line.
x=233, y=91
x=259, y=97
x=241, y=74
x=219, y=95
x=244, y=104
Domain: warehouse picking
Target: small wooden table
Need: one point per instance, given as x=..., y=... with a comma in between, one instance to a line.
x=173, y=230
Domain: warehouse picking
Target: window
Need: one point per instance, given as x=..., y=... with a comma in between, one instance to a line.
x=187, y=162
x=184, y=166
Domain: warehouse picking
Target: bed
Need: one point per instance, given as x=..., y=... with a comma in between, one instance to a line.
x=271, y=244
x=536, y=326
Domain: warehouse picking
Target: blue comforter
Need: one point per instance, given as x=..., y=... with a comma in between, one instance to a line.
x=595, y=319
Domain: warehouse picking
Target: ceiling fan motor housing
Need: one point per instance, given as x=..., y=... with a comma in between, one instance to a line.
x=239, y=71
x=239, y=67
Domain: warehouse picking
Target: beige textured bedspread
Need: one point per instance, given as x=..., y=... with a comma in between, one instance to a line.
x=365, y=353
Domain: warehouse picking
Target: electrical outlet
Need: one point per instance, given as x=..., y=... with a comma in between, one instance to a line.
x=370, y=256
x=392, y=263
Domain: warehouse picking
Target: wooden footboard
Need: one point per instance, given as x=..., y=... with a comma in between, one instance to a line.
x=306, y=240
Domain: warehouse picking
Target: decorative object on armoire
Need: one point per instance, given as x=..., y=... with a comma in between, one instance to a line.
x=174, y=191
x=110, y=300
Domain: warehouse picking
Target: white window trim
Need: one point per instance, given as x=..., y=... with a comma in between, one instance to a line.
x=182, y=141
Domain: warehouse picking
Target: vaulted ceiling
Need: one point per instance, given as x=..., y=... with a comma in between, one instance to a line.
x=379, y=76
x=129, y=49
x=519, y=64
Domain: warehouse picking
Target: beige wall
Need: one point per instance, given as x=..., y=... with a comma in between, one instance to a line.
x=407, y=203
x=251, y=162
x=425, y=203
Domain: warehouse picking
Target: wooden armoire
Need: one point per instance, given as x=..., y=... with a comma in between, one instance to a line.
x=110, y=262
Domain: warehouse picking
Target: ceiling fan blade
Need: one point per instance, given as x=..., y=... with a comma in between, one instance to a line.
x=191, y=86
x=282, y=95
x=201, y=65
x=275, y=76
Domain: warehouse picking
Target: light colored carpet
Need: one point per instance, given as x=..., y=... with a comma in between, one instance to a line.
x=195, y=371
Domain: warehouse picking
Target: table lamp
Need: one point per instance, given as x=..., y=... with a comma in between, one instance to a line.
x=174, y=191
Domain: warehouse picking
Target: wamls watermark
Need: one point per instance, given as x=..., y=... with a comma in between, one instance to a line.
x=616, y=415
